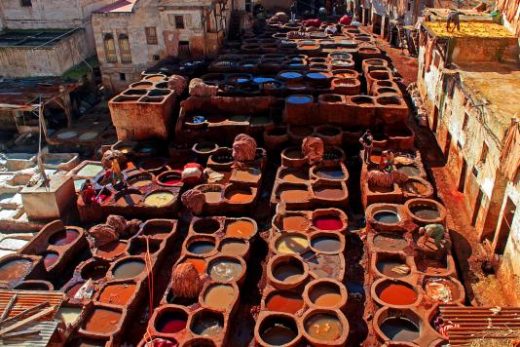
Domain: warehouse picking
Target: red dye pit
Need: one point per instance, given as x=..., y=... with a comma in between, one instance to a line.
x=398, y=294
x=171, y=322
x=327, y=223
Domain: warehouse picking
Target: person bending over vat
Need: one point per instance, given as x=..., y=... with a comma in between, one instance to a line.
x=436, y=234
x=367, y=141
x=386, y=162
x=453, y=18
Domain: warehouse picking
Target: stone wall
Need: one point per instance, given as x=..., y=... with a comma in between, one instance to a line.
x=45, y=61
x=509, y=271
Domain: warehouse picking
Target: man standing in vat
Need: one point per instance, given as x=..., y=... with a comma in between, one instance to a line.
x=367, y=141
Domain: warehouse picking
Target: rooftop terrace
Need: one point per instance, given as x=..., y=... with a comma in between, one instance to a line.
x=33, y=38
x=469, y=29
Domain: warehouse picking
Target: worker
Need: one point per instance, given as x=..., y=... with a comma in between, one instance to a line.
x=331, y=29
x=367, y=141
x=387, y=161
x=435, y=232
x=453, y=18
x=293, y=11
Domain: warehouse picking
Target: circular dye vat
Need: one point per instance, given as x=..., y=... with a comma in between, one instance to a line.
x=220, y=296
x=415, y=187
x=329, y=222
x=117, y=294
x=387, y=217
x=396, y=293
x=159, y=199
x=171, y=322
x=328, y=244
x=288, y=272
x=213, y=197
x=95, y=270
x=240, y=228
x=67, y=135
x=325, y=327
x=291, y=75
x=284, y=301
x=205, y=147
x=441, y=290
x=278, y=331
x=63, y=237
x=206, y=226
x=330, y=173
x=294, y=195
x=201, y=247
x=88, y=136
x=129, y=268
x=299, y=99
x=102, y=321
x=425, y=211
x=409, y=170
x=295, y=223
x=329, y=193
x=233, y=247
x=261, y=80
x=393, y=268
x=390, y=242
x=49, y=259
x=207, y=324
x=239, y=196
x=400, y=329
x=295, y=153
x=291, y=244
x=325, y=295
x=14, y=269
x=225, y=270
x=317, y=76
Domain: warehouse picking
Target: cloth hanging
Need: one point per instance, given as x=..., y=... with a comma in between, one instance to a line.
x=510, y=157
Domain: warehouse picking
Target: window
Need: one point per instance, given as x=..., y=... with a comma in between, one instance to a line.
x=465, y=121
x=179, y=22
x=110, y=48
x=409, y=6
x=151, y=35
x=122, y=76
x=484, y=153
x=124, y=49
x=26, y=3
x=156, y=57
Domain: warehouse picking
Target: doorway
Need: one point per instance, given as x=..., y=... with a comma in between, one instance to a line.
x=500, y=241
x=435, y=119
x=447, y=145
x=476, y=209
x=462, y=179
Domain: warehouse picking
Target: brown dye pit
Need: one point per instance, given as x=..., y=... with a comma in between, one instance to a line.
x=325, y=265
x=390, y=242
x=49, y=259
x=415, y=187
x=248, y=175
x=14, y=269
x=441, y=290
x=208, y=226
x=296, y=223
x=325, y=295
x=282, y=301
x=295, y=177
x=102, y=321
x=117, y=294
x=220, y=296
x=63, y=237
x=111, y=250
x=213, y=197
x=324, y=327
x=329, y=193
x=240, y=228
x=233, y=247
x=294, y=195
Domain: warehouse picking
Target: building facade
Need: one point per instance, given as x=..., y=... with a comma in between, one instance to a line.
x=133, y=35
x=469, y=85
x=45, y=37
